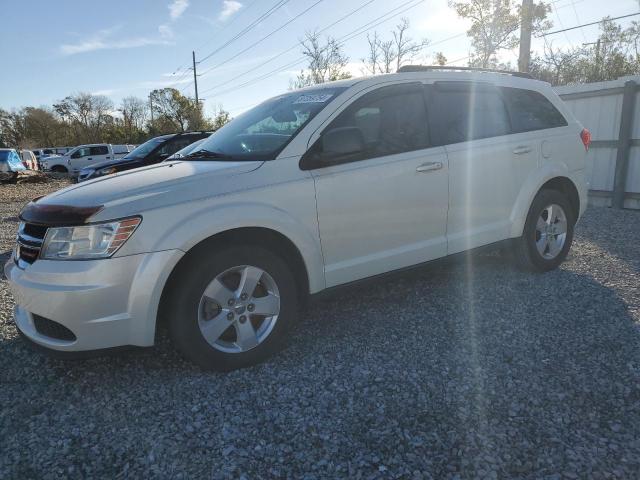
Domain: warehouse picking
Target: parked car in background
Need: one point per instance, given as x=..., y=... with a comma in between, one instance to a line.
x=44, y=152
x=84, y=155
x=186, y=150
x=310, y=190
x=29, y=160
x=152, y=151
x=10, y=164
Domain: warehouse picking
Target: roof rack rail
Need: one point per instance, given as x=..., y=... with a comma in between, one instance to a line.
x=427, y=68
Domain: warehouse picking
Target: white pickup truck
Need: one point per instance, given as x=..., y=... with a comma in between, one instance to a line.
x=83, y=156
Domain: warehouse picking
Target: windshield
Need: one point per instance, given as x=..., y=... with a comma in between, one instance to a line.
x=144, y=149
x=262, y=132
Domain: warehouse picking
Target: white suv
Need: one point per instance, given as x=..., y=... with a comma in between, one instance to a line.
x=310, y=190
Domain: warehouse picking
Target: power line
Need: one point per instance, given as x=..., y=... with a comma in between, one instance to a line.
x=303, y=58
x=264, y=16
x=263, y=38
x=293, y=47
x=341, y=41
x=186, y=72
x=589, y=24
x=233, y=20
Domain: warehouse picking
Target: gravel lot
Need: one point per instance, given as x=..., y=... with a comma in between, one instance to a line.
x=468, y=370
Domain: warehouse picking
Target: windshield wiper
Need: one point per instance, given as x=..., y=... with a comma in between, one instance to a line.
x=207, y=154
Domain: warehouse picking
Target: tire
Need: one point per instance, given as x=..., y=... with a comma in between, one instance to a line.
x=527, y=249
x=218, y=273
x=59, y=169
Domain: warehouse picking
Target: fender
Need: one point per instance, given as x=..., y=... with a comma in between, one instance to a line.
x=207, y=221
x=529, y=190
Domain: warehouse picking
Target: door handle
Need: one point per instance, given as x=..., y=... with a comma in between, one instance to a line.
x=429, y=166
x=522, y=149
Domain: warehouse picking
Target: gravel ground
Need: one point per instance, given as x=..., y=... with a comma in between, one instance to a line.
x=467, y=370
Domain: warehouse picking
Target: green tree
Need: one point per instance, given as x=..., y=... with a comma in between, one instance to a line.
x=613, y=55
x=495, y=25
x=173, y=111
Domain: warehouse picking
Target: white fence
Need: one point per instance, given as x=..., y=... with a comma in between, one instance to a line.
x=612, y=114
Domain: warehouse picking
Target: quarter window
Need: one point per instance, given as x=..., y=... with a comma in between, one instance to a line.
x=392, y=120
x=531, y=110
x=462, y=111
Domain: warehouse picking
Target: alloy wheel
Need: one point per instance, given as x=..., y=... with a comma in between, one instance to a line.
x=551, y=231
x=239, y=309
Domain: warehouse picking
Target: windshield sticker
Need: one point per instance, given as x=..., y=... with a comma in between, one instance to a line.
x=317, y=98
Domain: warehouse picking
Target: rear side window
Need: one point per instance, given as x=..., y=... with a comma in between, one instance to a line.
x=462, y=111
x=531, y=110
x=392, y=120
x=99, y=150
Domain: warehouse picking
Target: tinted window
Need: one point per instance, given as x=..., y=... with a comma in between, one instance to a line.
x=172, y=147
x=391, y=119
x=531, y=110
x=100, y=150
x=461, y=111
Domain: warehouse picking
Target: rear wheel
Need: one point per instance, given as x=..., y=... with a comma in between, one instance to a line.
x=233, y=308
x=548, y=232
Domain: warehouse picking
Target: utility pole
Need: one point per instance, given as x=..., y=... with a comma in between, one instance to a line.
x=525, y=35
x=151, y=107
x=598, y=61
x=195, y=77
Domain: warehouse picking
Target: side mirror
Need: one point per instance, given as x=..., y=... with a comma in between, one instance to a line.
x=342, y=141
x=335, y=146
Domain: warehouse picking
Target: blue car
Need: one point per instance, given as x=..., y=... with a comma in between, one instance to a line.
x=10, y=164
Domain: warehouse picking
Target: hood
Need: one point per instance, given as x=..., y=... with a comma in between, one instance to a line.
x=134, y=191
x=112, y=163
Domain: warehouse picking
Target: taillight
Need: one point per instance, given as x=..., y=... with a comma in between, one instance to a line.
x=585, y=136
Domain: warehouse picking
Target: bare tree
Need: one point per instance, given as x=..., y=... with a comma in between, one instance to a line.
x=440, y=59
x=87, y=114
x=134, y=112
x=326, y=62
x=494, y=26
x=387, y=56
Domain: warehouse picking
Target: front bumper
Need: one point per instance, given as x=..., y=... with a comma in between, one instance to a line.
x=105, y=303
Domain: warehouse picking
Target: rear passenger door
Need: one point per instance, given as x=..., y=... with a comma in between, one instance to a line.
x=99, y=153
x=487, y=164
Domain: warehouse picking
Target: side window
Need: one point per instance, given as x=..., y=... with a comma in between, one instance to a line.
x=531, y=110
x=460, y=112
x=172, y=147
x=99, y=150
x=81, y=152
x=391, y=119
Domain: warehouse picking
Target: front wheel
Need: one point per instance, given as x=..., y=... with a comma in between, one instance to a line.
x=59, y=169
x=548, y=232
x=232, y=307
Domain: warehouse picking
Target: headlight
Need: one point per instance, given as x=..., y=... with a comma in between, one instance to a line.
x=105, y=171
x=84, y=242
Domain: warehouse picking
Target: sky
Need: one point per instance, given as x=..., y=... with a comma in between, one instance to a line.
x=51, y=49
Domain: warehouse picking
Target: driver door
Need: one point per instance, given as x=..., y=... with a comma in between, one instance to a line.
x=385, y=208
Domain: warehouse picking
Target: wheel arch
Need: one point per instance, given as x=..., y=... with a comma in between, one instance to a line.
x=558, y=179
x=267, y=238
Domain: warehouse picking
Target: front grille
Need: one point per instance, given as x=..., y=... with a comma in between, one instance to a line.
x=52, y=329
x=30, y=239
